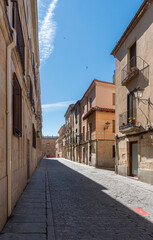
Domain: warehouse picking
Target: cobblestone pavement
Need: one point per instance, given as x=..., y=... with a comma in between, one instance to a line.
x=96, y=204
x=65, y=200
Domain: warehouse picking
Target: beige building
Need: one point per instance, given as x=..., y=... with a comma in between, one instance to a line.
x=20, y=108
x=49, y=146
x=134, y=98
x=68, y=132
x=60, y=143
x=75, y=112
x=97, y=128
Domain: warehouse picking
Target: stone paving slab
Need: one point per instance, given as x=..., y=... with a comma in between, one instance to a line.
x=26, y=204
x=11, y=236
x=25, y=228
x=21, y=218
x=29, y=211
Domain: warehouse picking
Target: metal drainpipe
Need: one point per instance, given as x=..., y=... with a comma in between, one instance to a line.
x=9, y=118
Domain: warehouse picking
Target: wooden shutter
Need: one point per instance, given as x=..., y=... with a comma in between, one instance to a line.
x=113, y=127
x=113, y=98
x=34, y=136
x=18, y=27
x=17, y=107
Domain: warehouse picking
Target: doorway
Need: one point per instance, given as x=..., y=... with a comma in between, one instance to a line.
x=83, y=155
x=134, y=159
x=90, y=154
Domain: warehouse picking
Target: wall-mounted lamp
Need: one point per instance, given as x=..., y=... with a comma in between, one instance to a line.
x=106, y=125
x=138, y=93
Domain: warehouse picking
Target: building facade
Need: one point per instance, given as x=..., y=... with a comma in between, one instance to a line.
x=90, y=127
x=49, y=146
x=134, y=98
x=75, y=112
x=97, y=135
x=20, y=109
x=68, y=132
x=60, y=143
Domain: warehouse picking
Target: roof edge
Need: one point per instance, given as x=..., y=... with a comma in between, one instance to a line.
x=142, y=9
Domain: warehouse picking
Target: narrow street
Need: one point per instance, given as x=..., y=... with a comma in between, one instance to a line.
x=66, y=200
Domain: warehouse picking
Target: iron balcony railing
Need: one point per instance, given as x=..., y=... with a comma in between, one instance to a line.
x=127, y=119
x=133, y=68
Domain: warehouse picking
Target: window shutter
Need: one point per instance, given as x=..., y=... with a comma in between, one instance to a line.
x=113, y=98
x=17, y=107
x=18, y=27
x=113, y=123
x=34, y=136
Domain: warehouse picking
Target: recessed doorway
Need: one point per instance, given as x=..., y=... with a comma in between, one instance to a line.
x=134, y=159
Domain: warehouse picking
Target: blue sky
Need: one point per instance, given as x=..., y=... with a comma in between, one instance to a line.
x=76, y=38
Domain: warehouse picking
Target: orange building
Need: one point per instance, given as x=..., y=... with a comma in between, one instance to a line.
x=97, y=130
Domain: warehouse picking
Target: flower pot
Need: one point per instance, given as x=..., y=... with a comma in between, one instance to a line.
x=133, y=69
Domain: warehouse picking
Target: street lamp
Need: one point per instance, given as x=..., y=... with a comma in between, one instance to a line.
x=106, y=125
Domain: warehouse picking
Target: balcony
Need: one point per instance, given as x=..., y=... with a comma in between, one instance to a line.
x=128, y=122
x=137, y=66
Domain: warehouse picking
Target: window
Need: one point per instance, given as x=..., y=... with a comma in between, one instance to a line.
x=83, y=109
x=6, y=2
x=113, y=98
x=133, y=56
x=113, y=126
x=30, y=89
x=76, y=135
x=34, y=136
x=90, y=102
x=113, y=151
x=76, y=113
x=16, y=23
x=83, y=133
x=17, y=107
x=90, y=127
x=131, y=106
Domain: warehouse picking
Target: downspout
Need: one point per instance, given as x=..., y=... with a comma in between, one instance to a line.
x=9, y=119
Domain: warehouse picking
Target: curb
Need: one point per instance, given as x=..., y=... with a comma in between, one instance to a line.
x=50, y=223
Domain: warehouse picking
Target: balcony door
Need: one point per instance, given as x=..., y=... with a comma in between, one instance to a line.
x=131, y=107
x=133, y=56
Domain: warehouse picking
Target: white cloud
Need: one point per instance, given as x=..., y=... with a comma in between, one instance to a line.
x=56, y=106
x=47, y=30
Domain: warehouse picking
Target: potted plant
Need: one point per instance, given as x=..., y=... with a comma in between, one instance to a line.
x=133, y=69
x=132, y=120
